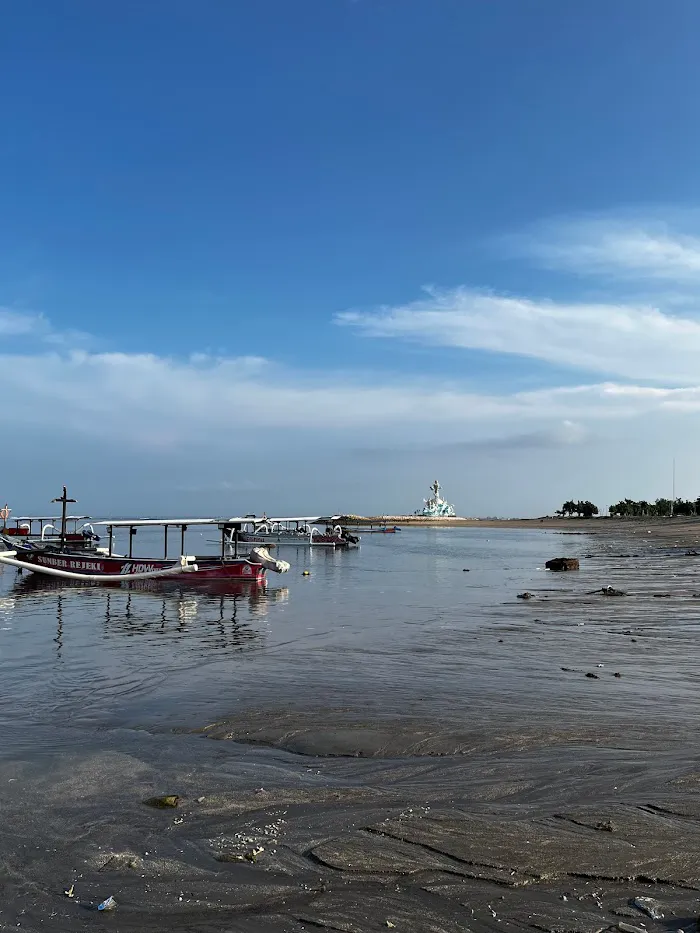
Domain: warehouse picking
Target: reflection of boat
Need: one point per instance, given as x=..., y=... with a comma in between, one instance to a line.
x=102, y=565
x=36, y=584
x=219, y=615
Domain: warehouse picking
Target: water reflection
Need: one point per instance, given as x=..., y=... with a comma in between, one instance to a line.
x=59, y=626
x=219, y=615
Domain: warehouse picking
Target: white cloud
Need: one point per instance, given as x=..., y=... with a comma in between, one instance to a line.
x=615, y=339
x=19, y=324
x=167, y=405
x=639, y=249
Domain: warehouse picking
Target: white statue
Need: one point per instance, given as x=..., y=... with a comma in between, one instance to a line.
x=436, y=506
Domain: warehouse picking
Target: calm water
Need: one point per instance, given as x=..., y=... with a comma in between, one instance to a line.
x=395, y=627
x=390, y=624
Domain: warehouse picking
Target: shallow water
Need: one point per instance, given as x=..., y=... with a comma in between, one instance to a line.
x=394, y=623
x=480, y=779
x=394, y=628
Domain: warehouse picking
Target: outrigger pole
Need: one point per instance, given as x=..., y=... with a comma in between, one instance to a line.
x=64, y=500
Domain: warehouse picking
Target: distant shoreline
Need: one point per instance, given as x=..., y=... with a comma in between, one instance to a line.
x=457, y=522
x=683, y=530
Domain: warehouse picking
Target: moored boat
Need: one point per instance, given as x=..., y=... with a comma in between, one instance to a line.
x=102, y=564
x=302, y=531
x=45, y=528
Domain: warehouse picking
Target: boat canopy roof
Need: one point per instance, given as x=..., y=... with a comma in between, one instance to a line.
x=134, y=522
x=259, y=519
x=245, y=520
x=49, y=518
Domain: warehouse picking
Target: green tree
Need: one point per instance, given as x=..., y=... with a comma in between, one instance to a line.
x=683, y=507
x=588, y=509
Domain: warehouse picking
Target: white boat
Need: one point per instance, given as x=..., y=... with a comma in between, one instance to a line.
x=303, y=530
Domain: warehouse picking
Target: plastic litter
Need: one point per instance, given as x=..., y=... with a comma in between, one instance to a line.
x=70, y=892
x=108, y=904
x=650, y=907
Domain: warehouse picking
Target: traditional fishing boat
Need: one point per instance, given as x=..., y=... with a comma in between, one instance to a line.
x=103, y=565
x=300, y=530
x=45, y=527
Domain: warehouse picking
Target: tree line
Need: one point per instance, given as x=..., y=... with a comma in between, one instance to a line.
x=660, y=507
x=631, y=508
x=581, y=509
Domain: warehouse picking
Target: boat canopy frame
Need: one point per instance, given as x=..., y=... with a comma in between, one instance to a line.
x=230, y=528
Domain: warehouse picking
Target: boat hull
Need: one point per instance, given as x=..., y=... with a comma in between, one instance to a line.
x=208, y=568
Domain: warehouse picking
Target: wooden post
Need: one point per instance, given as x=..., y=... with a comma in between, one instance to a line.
x=64, y=500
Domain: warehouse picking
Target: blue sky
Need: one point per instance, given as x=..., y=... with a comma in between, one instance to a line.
x=299, y=255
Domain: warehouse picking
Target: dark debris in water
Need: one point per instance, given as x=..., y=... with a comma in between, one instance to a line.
x=167, y=801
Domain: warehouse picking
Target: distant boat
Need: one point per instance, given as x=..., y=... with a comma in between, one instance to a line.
x=378, y=531
x=301, y=530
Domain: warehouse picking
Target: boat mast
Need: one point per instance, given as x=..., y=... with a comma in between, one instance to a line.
x=64, y=500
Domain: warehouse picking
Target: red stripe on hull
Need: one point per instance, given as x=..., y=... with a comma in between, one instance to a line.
x=208, y=568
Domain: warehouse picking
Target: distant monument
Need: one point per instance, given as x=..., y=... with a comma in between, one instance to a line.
x=436, y=506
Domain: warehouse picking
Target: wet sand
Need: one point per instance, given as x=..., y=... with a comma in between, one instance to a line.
x=550, y=807
x=553, y=833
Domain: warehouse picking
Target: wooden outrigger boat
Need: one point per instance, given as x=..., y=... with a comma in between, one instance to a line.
x=300, y=530
x=103, y=565
x=45, y=528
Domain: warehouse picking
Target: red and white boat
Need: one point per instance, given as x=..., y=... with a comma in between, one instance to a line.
x=103, y=565
x=45, y=528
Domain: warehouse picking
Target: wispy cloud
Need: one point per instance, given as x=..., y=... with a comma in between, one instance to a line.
x=633, y=249
x=21, y=324
x=564, y=433
x=37, y=328
x=615, y=339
